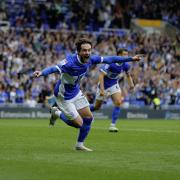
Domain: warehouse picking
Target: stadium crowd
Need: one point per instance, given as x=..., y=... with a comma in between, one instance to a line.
x=24, y=50
x=86, y=15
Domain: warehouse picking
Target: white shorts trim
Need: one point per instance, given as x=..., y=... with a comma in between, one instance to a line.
x=108, y=92
x=70, y=107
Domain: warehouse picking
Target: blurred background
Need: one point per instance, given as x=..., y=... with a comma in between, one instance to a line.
x=37, y=34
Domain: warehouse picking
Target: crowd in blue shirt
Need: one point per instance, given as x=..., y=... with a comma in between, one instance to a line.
x=23, y=51
x=88, y=15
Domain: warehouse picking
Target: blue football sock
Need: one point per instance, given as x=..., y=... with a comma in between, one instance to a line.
x=115, y=114
x=67, y=121
x=84, y=130
x=92, y=107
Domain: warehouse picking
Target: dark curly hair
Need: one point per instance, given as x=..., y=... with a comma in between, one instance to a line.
x=121, y=50
x=82, y=41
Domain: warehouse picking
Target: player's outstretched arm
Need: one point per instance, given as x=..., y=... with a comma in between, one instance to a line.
x=120, y=59
x=101, y=83
x=130, y=81
x=46, y=71
x=114, y=59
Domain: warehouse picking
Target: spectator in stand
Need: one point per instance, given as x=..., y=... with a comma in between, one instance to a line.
x=99, y=14
x=21, y=51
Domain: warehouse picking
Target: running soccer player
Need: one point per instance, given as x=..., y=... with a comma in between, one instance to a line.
x=109, y=86
x=74, y=107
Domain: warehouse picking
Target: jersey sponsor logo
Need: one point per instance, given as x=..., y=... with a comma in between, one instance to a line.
x=63, y=62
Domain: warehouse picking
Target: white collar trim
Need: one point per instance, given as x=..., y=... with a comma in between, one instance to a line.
x=79, y=59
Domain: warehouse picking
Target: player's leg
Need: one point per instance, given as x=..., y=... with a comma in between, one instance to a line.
x=97, y=105
x=115, y=93
x=87, y=117
x=82, y=105
x=74, y=121
x=51, y=102
x=67, y=112
x=117, y=100
x=71, y=117
x=99, y=101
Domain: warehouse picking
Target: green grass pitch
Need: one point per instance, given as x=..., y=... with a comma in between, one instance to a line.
x=141, y=150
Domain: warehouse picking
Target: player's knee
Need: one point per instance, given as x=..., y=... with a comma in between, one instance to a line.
x=90, y=117
x=118, y=103
x=80, y=124
x=87, y=121
x=97, y=108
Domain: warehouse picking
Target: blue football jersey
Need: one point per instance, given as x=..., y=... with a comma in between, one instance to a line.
x=112, y=73
x=71, y=72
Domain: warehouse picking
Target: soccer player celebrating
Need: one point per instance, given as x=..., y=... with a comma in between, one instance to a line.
x=74, y=107
x=109, y=86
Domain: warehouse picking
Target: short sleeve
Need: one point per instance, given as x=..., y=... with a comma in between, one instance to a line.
x=104, y=68
x=59, y=65
x=126, y=67
x=95, y=59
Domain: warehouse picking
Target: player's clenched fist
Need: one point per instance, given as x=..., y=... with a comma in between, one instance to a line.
x=138, y=57
x=37, y=74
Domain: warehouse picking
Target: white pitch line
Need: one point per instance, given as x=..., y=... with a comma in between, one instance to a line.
x=131, y=129
x=142, y=130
